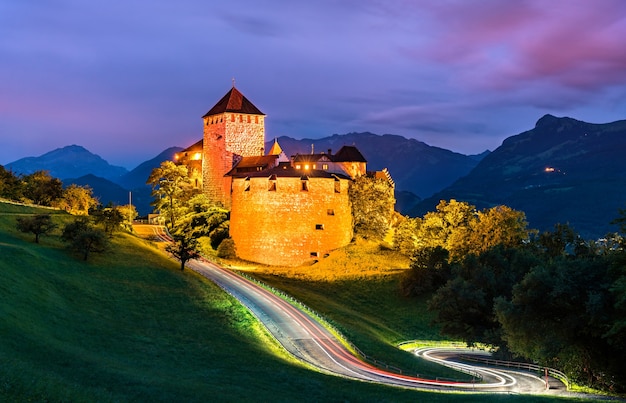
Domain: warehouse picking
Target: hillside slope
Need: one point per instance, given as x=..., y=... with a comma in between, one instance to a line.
x=129, y=326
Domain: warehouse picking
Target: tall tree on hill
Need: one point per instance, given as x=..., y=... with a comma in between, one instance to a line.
x=372, y=202
x=205, y=218
x=171, y=188
x=77, y=200
x=184, y=246
x=39, y=224
x=10, y=185
x=42, y=189
x=84, y=238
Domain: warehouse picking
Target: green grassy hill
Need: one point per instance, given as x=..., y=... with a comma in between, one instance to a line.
x=129, y=326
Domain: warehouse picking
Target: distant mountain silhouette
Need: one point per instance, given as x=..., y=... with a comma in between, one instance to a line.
x=561, y=171
x=68, y=162
x=415, y=166
x=137, y=177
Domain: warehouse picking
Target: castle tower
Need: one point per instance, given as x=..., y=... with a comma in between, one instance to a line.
x=233, y=128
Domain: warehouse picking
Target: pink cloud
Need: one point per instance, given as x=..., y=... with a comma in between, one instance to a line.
x=505, y=45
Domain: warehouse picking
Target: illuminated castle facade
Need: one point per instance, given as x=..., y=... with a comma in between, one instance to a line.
x=283, y=211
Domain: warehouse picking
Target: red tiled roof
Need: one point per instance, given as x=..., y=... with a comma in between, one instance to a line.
x=234, y=101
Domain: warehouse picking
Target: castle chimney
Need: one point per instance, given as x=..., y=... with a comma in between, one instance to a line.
x=330, y=151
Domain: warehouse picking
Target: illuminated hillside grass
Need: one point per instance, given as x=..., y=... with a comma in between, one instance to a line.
x=129, y=326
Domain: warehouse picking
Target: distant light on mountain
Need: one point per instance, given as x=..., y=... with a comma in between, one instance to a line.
x=561, y=171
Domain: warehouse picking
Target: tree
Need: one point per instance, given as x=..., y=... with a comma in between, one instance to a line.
x=84, y=238
x=42, y=189
x=464, y=305
x=171, y=188
x=373, y=203
x=185, y=246
x=110, y=218
x=77, y=200
x=562, y=314
x=429, y=270
x=405, y=238
x=448, y=227
x=10, y=185
x=205, y=218
x=39, y=224
x=500, y=225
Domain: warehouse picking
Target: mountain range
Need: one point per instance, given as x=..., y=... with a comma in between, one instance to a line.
x=561, y=171
x=418, y=169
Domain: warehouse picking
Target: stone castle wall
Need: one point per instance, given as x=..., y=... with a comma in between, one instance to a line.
x=226, y=136
x=289, y=226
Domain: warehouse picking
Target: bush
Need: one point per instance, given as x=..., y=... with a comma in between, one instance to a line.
x=227, y=249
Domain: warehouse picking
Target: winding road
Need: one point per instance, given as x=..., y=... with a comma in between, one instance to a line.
x=308, y=340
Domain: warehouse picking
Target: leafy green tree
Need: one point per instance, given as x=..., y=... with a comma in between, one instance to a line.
x=10, y=185
x=429, y=270
x=373, y=203
x=129, y=212
x=83, y=238
x=227, y=249
x=560, y=315
x=185, y=245
x=555, y=243
x=171, y=188
x=448, y=227
x=77, y=200
x=499, y=225
x=42, y=189
x=39, y=224
x=464, y=305
x=110, y=218
x=203, y=216
x=405, y=236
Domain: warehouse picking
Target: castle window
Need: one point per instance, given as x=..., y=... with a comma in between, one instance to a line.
x=256, y=119
x=305, y=183
x=240, y=119
x=314, y=254
x=314, y=166
x=196, y=182
x=319, y=227
x=232, y=117
x=298, y=166
x=246, y=184
x=272, y=184
x=330, y=212
x=325, y=167
x=248, y=119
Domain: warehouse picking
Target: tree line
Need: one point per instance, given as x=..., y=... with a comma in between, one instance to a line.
x=552, y=298
x=88, y=233
x=42, y=189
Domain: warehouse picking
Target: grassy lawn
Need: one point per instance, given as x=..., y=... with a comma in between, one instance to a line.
x=129, y=326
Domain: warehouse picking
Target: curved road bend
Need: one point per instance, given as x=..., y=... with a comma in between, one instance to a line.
x=308, y=340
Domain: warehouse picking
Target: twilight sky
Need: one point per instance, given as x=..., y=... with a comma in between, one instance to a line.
x=128, y=78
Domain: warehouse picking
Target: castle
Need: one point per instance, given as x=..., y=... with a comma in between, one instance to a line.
x=283, y=211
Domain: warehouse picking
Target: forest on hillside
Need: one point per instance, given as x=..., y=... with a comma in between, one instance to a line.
x=552, y=298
